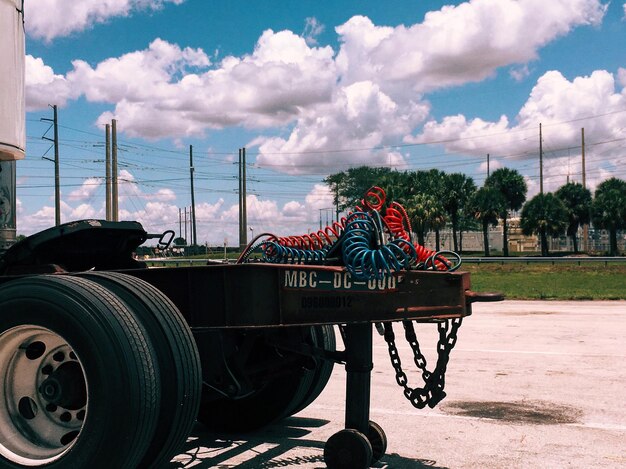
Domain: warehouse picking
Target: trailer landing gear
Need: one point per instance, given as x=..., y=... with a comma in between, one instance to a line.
x=348, y=449
x=362, y=442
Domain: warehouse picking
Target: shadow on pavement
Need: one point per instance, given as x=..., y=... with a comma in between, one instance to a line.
x=279, y=445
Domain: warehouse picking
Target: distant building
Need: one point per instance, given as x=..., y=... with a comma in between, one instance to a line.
x=519, y=243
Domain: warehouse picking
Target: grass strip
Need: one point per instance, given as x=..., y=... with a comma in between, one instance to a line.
x=551, y=282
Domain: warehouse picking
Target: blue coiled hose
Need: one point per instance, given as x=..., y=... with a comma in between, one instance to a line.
x=363, y=250
x=364, y=255
x=276, y=253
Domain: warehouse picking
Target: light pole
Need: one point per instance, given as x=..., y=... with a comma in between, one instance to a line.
x=252, y=232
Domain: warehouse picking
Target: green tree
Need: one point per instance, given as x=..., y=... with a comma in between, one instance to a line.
x=430, y=183
x=425, y=213
x=457, y=189
x=512, y=186
x=467, y=222
x=350, y=186
x=487, y=205
x=426, y=182
x=609, y=209
x=396, y=186
x=577, y=200
x=544, y=215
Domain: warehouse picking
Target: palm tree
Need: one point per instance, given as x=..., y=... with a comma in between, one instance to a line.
x=544, y=215
x=513, y=187
x=396, y=186
x=430, y=183
x=426, y=213
x=577, y=200
x=458, y=188
x=609, y=209
x=467, y=223
x=486, y=205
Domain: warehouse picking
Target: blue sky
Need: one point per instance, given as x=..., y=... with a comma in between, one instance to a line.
x=311, y=88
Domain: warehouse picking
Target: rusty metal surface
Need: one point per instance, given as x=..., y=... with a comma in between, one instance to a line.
x=258, y=295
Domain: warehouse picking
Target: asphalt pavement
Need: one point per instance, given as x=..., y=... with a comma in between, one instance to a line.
x=530, y=384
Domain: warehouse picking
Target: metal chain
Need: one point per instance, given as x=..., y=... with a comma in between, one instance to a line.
x=434, y=382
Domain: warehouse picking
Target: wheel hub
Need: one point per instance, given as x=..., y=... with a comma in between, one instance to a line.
x=65, y=387
x=43, y=401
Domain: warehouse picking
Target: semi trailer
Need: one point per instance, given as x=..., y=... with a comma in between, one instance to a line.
x=107, y=363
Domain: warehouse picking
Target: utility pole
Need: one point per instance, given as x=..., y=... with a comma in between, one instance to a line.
x=57, y=181
x=240, y=204
x=186, y=240
x=107, y=170
x=180, y=222
x=487, y=164
x=57, y=187
x=193, y=200
x=337, y=202
x=114, y=183
x=586, y=225
x=540, y=160
x=244, y=212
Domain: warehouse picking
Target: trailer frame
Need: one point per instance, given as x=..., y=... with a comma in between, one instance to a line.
x=262, y=297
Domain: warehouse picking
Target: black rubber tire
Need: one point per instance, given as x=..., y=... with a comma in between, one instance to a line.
x=348, y=449
x=323, y=336
x=275, y=401
x=177, y=357
x=378, y=439
x=122, y=392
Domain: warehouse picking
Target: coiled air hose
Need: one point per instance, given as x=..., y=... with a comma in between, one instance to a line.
x=368, y=244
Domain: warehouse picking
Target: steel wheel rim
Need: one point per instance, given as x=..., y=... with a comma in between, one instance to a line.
x=43, y=395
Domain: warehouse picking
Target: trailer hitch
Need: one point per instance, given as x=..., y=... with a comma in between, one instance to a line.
x=482, y=297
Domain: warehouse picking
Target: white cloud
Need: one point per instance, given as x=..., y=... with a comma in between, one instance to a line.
x=388, y=69
x=206, y=211
x=165, y=195
x=312, y=29
x=86, y=191
x=519, y=73
x=367, y=96
x=360, y=116
x=560, y=105
x=44, y=87
x=265, y=216
x=154, y=216
x=40, y=220
x=320, y=197
x=293, y=209
x=83, y=211
x=264, y=89
x=621, y=78
x=49, y=19
x=458, y=44
x=152, y=71
x=153, y=210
